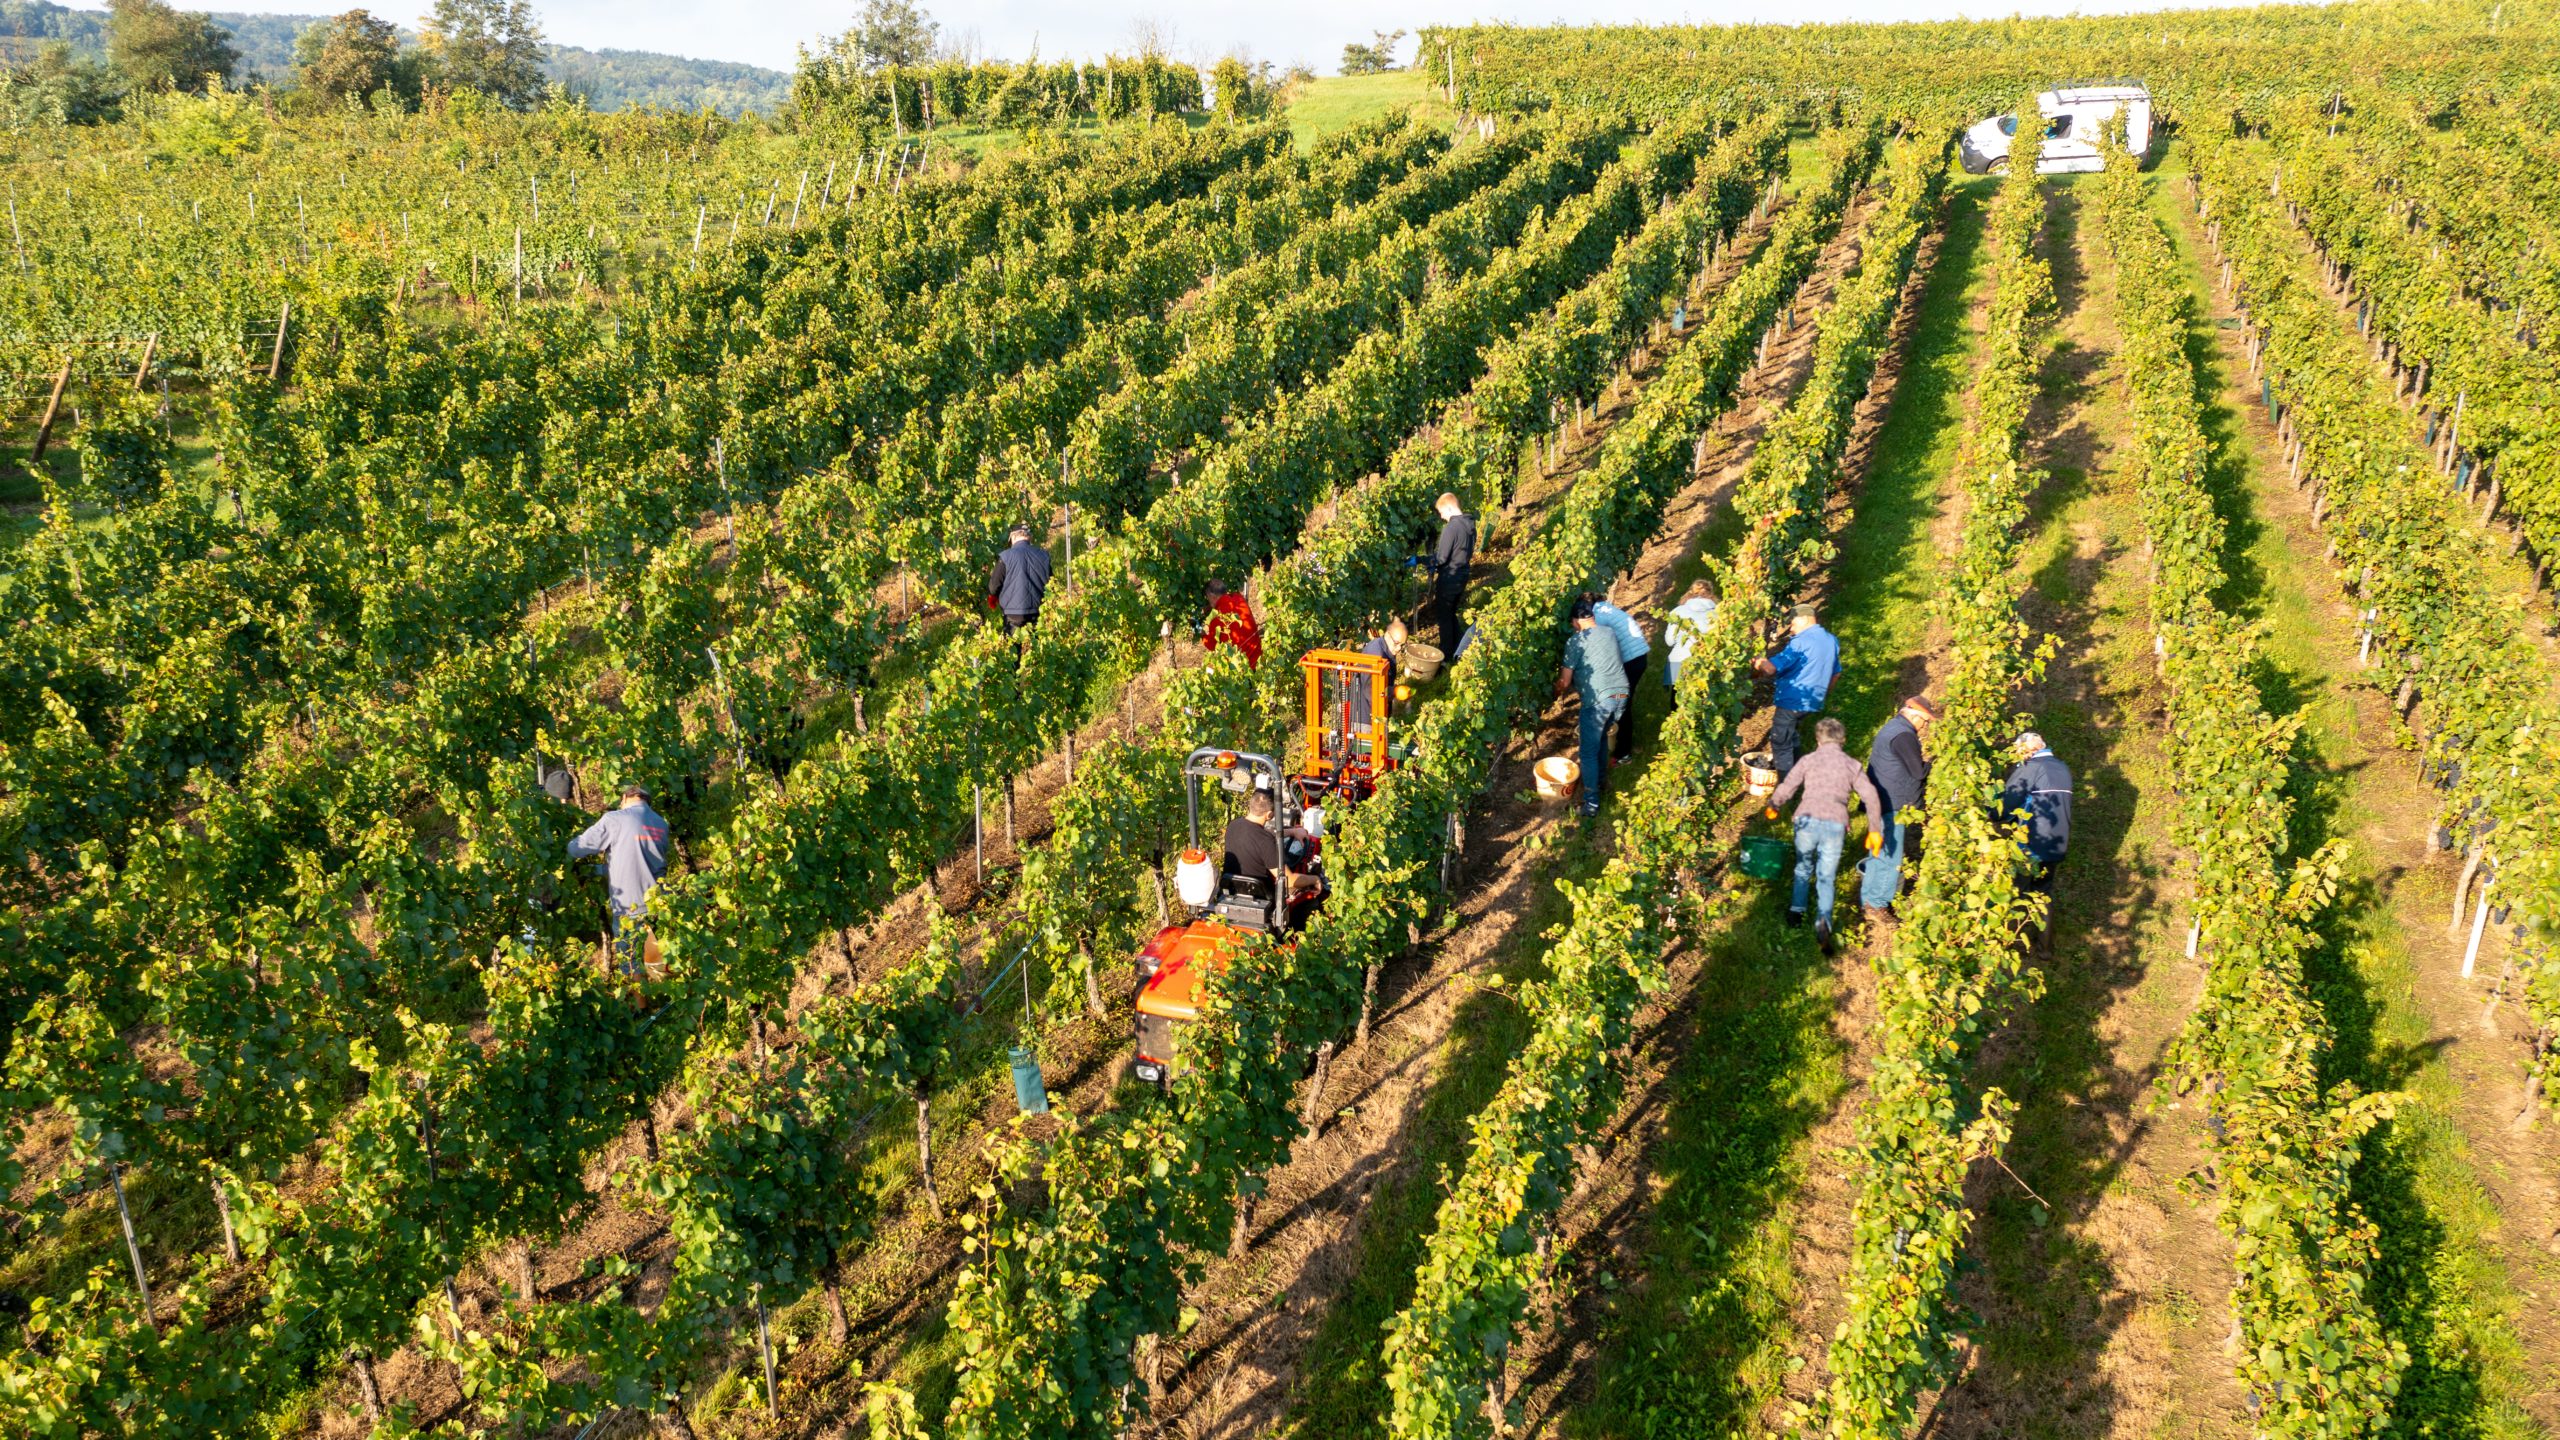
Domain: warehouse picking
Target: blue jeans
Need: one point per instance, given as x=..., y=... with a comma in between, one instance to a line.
x=1881, y=878
x=1600, y=715
x=1818, y=862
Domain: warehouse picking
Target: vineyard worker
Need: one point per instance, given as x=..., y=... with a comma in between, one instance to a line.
x=2038, y=796
x=1686, y=627
x=1899, y=768
x=1019, y=581
x=633, y=844
x=1804, y=667
x=1231, y=622
x=1822, y=783
x=1633, y=650
x=1450, y=561
x=1591, y=666
x=1252, y=849
x=1386, y=644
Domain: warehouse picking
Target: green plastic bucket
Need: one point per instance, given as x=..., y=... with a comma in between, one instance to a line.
x=1764, y=857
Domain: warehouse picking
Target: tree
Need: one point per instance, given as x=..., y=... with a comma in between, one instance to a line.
x=350, y=57
x=155, y=47
x=55, y=89
x=1375, y=58
x=886, y=33
x=492, y=46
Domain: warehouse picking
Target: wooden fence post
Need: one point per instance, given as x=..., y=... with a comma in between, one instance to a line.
x=52, y=408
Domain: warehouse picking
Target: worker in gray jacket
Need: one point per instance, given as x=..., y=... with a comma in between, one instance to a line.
x=1825, y=779
x=1019, y=581
x=632, y=842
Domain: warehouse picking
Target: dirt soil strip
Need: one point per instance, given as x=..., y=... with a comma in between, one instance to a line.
x=2468, y=1177
x=2104, y=1293
x=1241, y=1365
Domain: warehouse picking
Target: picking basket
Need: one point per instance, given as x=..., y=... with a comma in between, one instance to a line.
x=1764, y=857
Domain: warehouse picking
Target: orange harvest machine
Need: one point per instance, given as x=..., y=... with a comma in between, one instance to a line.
x=1347, y=699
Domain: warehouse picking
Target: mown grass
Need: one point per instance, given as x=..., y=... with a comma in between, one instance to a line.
x=1702, y=1343
x=1334, y=103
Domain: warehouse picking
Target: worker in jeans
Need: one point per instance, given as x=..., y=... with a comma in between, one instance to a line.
x=1591, y=667
x=1900, y=770
x=1633, y=650
x=1451, y=558
x=2037, y=797
x=1821, y=784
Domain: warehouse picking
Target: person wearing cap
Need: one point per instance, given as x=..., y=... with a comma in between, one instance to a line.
x=2038, y=796
x=1591, y=667
x=632, y=842
x=1825, y=780
x=1231, y=623
x=1450, y=561
x=1899, y=769
x=1019, y=581
x=1686, y=626
x=1804, y=668
x=1633, y=650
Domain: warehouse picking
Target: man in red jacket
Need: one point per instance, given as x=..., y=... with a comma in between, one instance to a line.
x=1231, y=622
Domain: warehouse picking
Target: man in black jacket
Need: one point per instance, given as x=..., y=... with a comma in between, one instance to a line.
x=1900, y=770
x=1450, y=560
x=1019, y=581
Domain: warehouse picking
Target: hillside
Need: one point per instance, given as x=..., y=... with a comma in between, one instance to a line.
x=610, y=79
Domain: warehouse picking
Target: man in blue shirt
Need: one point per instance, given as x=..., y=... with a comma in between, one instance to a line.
x=1591, y=667
x=1633, y=649
x=1804, y=668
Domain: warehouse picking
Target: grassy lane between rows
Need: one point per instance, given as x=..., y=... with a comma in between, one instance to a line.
x=2102, y=1291
x=2476, y=1318
x=1698, y=1341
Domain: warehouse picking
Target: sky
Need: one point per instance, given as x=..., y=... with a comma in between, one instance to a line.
x=768, y=32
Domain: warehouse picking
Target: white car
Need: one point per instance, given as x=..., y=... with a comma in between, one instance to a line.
x=2073, y=119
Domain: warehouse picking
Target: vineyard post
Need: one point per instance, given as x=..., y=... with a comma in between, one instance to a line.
x=764, y=1348
x=52, y=409
x=699, y=213
x=978, y=825
x=222, y=1208
x=796, y=197
x=827, y=194
x=728, y=712
x=142, y=372
x=275, y=357
x=519, y=265
x=15, y=233
x=2479, y=925
x=132, y=1247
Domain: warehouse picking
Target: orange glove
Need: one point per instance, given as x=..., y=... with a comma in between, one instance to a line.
x=1875, y=843
x=1770, y=811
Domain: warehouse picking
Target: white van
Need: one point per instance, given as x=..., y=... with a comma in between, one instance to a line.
x=2072, y=121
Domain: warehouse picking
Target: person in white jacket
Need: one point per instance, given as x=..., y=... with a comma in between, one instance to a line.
x=1685, y=627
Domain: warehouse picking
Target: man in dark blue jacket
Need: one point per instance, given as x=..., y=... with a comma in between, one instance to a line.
x=2038, y=796
x=1020, y=581
x=1900, y=770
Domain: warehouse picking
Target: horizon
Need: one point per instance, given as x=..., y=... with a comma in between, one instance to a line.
x=769, y=35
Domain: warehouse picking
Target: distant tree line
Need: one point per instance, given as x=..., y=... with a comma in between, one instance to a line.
x=65, y=66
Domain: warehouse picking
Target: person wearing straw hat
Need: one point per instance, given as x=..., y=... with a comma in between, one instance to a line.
x=1899, y=769
x=1804, y=668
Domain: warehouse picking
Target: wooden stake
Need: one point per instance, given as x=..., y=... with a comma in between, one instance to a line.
x=764, y=1348
x=52, y=408
x=275, y=357
x=132, y=1247
x=142, y=372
